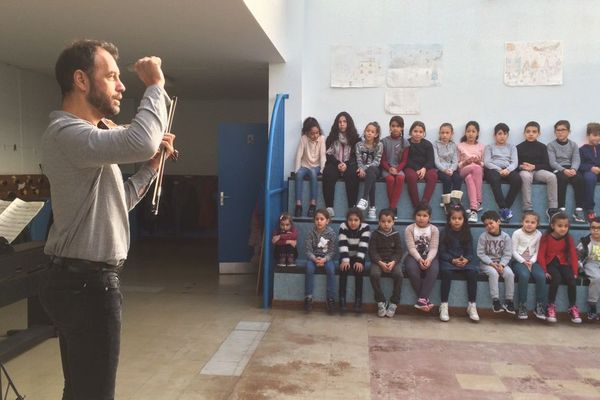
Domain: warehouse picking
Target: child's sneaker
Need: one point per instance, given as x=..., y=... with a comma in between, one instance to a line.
x=311, y=211
x=509, y=307
x=281, y=261
x=362, y=204
x=472, y=312
x=497, y=306
x=574, y=314
x=591, y=215
x=381, y=309
x=391, y=310
x=592, y=314
x=290, y=260
x=298, y=211
x=444, y=315
x=540, y=311
x=331, y=212
x=422, y=305
x=479, y=206
x=372, y=214
x=330, y=306
x=308, y=303
x=472, y=217
x=505, y=214
x=551, y=313
x=522, y=313
x=578, y=215
x=430, y=305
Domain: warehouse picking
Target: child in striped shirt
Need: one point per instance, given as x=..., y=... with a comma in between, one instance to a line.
x=353, y=243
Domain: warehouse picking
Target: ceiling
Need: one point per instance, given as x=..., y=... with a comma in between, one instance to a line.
x=211, y=49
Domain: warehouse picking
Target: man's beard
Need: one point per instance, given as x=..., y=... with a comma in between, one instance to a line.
x=101, y=101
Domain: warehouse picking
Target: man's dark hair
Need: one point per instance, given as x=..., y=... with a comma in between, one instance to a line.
x=79, y=55
x=490, y=214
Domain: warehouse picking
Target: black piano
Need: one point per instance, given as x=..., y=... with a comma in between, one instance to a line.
x=20, y=275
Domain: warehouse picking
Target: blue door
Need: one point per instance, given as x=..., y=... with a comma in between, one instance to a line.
x=242, y=154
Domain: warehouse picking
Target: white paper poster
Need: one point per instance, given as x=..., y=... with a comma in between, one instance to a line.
x=402, y=101
x=353, y=66
x=533, y=63
x=414, y=65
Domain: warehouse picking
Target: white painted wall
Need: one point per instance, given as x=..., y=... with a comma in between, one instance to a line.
x=271, y=16
x=26, y=99
x=472, y=33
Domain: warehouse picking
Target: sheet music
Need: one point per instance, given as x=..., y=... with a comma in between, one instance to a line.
x=17, y=216
x=3, y=205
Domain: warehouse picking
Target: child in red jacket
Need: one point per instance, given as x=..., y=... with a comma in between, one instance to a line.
x=284, y=242
x=558, y=258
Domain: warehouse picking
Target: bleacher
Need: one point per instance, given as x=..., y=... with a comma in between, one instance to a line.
x=288, y=283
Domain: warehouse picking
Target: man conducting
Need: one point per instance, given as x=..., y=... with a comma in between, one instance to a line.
x=89, y=239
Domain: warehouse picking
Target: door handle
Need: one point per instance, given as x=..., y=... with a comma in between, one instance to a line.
x=222, y=198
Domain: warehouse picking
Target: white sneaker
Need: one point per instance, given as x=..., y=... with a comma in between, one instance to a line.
x=331, y=212
x=472, y=312
x=381, y=309
x=391, y=310
x=444, y=316
x=372, y=214
x=472, y=217
x=362, y=204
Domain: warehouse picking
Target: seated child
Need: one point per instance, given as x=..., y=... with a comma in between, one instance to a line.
x=564, y=158
x=588, y=251
x=421, y=262
x=457, y=258
x=320, y=249
x=590, y=167
x=354, y=244
x=534, y=165
x=385, y=251
x=525, y=246
x=558, y=257
x=494, y=250
x=284, y=242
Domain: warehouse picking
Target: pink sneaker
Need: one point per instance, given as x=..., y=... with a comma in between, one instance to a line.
x=551, y=313
x=422, y=305
x=574, y=313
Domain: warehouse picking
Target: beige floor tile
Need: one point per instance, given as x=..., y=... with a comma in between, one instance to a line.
x=514, y=370
x=489, y=383
x=589, y=373
x=572, y=387
x=533, y=396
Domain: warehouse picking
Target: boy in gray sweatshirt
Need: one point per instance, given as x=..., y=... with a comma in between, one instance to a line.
x=494, y=249
x=501, y=161
x=563, y=155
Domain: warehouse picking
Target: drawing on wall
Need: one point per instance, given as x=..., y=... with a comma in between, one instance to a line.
x=402, y=101
x=533, y=63
x=353, y=66
x=415, y=65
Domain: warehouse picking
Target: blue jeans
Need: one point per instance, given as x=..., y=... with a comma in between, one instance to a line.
x=590, y=179
x=541, y=289
x=309, y=279
x=312, y=173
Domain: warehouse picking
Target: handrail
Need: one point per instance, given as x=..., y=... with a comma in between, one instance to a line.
x=274, y=185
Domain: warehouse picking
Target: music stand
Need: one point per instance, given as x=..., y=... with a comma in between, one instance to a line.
x=10, y=385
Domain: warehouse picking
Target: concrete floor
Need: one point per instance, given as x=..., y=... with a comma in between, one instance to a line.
x=179, y=314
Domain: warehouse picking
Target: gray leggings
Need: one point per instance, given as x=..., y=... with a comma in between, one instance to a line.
x=422, y=281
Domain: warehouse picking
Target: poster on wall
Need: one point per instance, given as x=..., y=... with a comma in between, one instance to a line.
x=533, y=63
x=414, y=65
x=402, y=101
x=355, y=67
